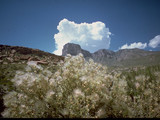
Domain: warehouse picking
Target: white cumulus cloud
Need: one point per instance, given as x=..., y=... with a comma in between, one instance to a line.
x=154, y=42
x=134, y=45
x=90, y=36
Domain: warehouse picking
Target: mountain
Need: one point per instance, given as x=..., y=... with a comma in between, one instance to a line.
x=121, y=58
x=75, y=49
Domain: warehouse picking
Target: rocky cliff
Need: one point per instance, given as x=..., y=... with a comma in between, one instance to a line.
x=75, y=49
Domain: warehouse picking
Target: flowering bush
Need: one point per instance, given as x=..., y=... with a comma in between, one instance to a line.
x=77, y=89
x=143, y=86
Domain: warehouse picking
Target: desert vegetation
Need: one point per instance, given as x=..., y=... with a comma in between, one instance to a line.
x=82, y=89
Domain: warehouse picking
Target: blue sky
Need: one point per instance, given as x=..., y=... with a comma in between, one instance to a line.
x=33, y=23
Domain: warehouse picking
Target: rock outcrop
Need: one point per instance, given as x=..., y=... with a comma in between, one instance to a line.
x=75, y=49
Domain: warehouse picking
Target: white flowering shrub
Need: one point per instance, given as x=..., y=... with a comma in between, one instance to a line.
x=143, y=87
x=78, y=89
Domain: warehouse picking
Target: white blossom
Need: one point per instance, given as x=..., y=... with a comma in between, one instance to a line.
x=49, y=94
x=77, y=92
x=100, y=112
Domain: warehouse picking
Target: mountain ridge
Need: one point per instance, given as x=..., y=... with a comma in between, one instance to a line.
x=124, y=57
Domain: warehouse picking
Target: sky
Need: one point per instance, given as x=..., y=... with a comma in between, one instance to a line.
x=94, y=24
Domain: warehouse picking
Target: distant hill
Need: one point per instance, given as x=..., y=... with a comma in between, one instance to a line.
x=121, y=58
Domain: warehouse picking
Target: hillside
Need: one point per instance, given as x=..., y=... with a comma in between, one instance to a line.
x=11, y=54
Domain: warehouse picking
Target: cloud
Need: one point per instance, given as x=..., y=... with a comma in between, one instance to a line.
x=134, y=45
x=154, y=42
x=90, y=36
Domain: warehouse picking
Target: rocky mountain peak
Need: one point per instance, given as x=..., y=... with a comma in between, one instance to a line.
x=75, y=49
x=71, y=48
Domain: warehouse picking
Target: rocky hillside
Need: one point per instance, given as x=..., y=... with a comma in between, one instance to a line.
x=16, y=54
x=121, y=58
